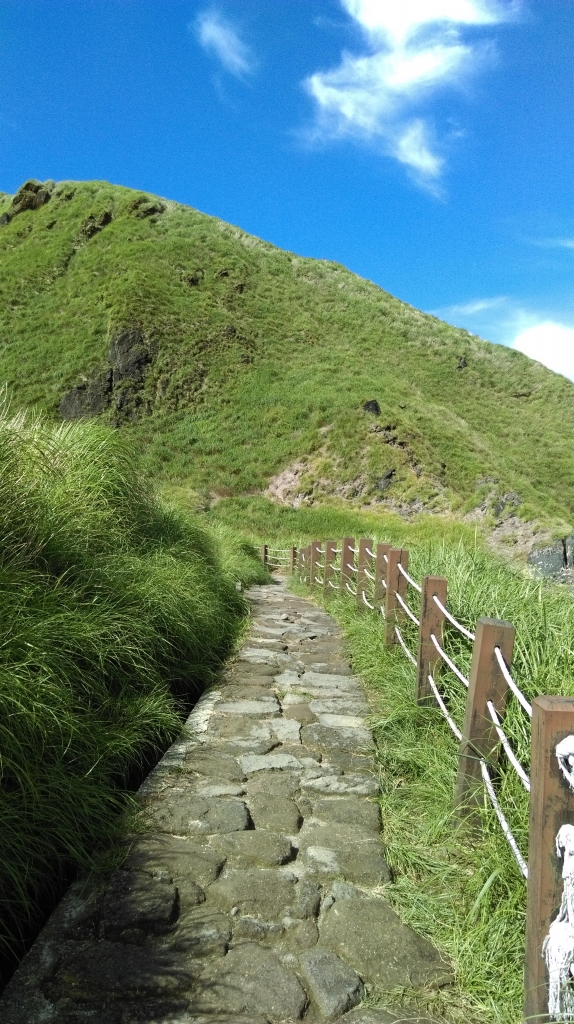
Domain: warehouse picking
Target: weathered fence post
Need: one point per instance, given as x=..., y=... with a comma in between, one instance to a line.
x=396, y=584
x=308, y=565
x=264, y=554
x=381, y=574
x=315, y=555
x=364, y=562
x=551, y=806
x=431, y=624
x=330, y=556
x=347, y=559
x=292, y=559
x=479, y=739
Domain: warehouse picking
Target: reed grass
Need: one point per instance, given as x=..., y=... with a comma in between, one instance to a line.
x=115, y=612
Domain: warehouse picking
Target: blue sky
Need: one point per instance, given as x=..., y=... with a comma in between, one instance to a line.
x=426, y=144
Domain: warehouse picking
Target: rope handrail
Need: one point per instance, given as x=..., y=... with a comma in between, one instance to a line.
x=386, y=558
x=350, y=589
x=354, y=550
x=409, y=579
x=317, y=580
x=383, y=612
x=351, y=567
x=404, y=646
x=512, y=685
x=368, y=603
x=384, y=582
x=466, y=632
x=336, y=568
x=450, y=663
x=369, y=553
x=333, y=585
x=406, y=609
x=506, y=746
x=369, y=575
x=337, y=551
x=502, y=820
x=443, y=708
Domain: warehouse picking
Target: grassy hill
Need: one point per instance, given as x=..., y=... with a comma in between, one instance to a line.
x=231, y=361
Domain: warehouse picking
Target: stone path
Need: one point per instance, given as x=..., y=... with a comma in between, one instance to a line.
x=252, y=895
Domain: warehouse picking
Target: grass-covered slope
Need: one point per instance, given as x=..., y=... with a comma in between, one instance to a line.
x=252, y=359
x=114, y=611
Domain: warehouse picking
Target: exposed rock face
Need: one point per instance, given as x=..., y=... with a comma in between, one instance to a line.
x=372, y=406
x=30, y=196
x=95, y=223
x=555, y=559
x=253, y=898
x=129, y=357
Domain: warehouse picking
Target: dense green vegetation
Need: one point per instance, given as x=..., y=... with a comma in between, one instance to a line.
x=115, y=611
x=261, y=359
x=463, y=890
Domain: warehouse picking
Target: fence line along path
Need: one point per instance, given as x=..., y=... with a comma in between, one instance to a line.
x=253, y=895
x=380, y=583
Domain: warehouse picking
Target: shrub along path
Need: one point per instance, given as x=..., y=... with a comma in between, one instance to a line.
x=254, y=893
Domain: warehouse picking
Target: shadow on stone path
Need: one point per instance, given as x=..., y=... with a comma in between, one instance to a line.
x=251, y=896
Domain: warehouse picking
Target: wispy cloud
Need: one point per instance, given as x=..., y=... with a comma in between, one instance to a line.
x=220, y=37
x=555, y=243
x=414, y=47
x=507, y=321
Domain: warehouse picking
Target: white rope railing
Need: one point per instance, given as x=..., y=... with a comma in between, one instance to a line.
x=506, y=746
x=406, y=609
x=450, y=663
x=368, y=603
x=383, y=612
x=351, y=567
x=369, y=575
x=317, y=580
x=384, y=582
x=404, y=646
x=354, y=550
x=333, y=585
x=502, y=820
x=466, y=632
x=512, y=685
x=386, y=558
x=443, y=708
x=370, y=553
x=350, y=589
x=404, y=573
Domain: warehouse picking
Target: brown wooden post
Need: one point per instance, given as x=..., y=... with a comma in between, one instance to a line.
x=292, y=559
x=347, y=559
x=330, y=556
x=396, y=584
x=432, y=620
x=479, y=739
x=381, y=575
x=364, y=562
x=315, y=558
x=308, y=565
x=551, y=806
x=264, y=554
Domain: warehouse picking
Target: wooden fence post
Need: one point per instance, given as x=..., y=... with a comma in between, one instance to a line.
x=264, y=554
x=308, y=565
x=364, y=562
x=479, y=739
x=551, y=806
x=347, y=559
x=315, y=555
x=381, y=574
x=292, y=559
x=330, y=556
x=431, y=623
x=396, y=584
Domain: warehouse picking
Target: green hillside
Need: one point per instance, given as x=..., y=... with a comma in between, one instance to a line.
x=232, y=361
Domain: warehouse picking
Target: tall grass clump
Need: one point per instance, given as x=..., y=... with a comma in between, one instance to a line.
x=462, y=890
x=115, y=611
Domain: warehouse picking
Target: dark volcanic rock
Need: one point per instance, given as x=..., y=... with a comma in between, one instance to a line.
x=95, y=223
x=88, y=399
x=372, y=406
x=549, y=560
x=385, y=480
x=30, y=196
x=129, y=355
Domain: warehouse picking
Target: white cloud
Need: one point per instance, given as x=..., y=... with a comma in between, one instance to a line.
x=415, y=47
x=218, y=36
x=473, y=307
x=551, y=344
x=556, y=243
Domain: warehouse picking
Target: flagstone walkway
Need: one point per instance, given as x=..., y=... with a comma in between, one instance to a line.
x=253, y=895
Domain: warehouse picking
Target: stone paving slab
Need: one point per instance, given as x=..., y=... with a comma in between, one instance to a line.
x=253, y=896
